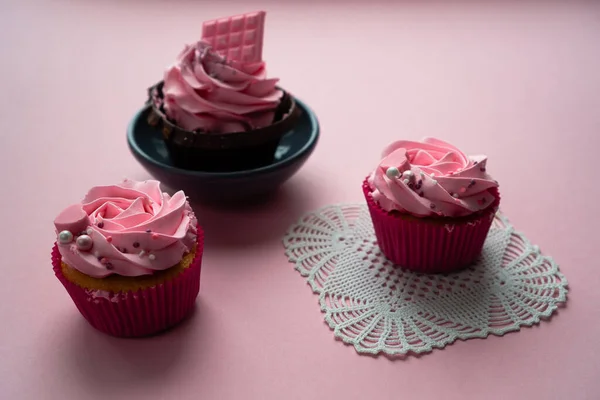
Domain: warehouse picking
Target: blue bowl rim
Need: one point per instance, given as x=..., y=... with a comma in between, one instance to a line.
x=234, y=174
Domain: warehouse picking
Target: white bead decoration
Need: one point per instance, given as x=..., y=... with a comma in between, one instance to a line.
x=65, y=237
x=408, y=174
x=152, y=257
x=84, y=243
x=392, y=172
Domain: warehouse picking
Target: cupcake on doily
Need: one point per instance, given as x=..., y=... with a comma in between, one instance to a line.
x=216, y=106
x=130, y=256
x=431, y=205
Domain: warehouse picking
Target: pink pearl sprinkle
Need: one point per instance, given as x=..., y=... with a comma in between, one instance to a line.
x=462, y=190
x=155, y=236
x=104, y=260
x=109, y=239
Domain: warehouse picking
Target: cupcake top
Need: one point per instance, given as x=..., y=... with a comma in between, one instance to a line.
x=431, y=178
x=129, y=229
x=219, y=84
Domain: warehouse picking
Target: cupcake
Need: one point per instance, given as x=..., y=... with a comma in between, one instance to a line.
x=431, y=205
x=216, y=106
x=129, y=256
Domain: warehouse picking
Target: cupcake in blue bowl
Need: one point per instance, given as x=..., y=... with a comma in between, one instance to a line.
x=217, y=108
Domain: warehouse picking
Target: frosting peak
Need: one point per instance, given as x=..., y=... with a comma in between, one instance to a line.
x=128, y=229
x=431, y=178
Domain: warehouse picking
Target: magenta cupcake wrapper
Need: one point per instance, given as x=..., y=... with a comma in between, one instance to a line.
x=429, y=246
x=138, y=313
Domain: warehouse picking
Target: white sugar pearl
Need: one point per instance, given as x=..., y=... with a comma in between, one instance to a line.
x=84, y=243
x=152, y=257
x=65, y=237
x=455, y=195
x=408, y=174
x=392, y=172
x=434, y=182
x=406, y=181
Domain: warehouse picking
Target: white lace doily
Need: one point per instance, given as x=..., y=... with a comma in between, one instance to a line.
x=377, y=307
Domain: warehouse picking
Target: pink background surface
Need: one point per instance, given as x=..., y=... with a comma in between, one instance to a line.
x=519, y=82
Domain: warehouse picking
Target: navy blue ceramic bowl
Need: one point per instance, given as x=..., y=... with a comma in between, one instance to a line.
x=147, y=146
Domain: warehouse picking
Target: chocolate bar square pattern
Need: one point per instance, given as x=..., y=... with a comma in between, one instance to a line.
x=238, y=38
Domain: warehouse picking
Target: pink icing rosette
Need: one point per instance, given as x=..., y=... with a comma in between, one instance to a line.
x=206, y=92
x=431, y=205
x=431, y=178
x=130, y=229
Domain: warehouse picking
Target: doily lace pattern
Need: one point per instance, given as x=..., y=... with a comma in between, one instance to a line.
x=381, y=308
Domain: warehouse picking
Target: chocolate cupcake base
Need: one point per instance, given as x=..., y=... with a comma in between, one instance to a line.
x=214, y=152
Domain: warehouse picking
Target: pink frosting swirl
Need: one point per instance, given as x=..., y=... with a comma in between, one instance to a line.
x=130, y=229
x=431, y=178
x=203, y=91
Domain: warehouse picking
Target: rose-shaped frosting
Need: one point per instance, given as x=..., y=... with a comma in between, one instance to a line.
x=203, y=91
x=129, y=229
x=431, y=178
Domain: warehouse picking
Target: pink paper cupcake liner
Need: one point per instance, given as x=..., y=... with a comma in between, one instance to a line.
x=138, y=313
x=429, y=246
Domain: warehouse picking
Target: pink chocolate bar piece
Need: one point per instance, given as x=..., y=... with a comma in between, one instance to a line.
x=238, y=38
